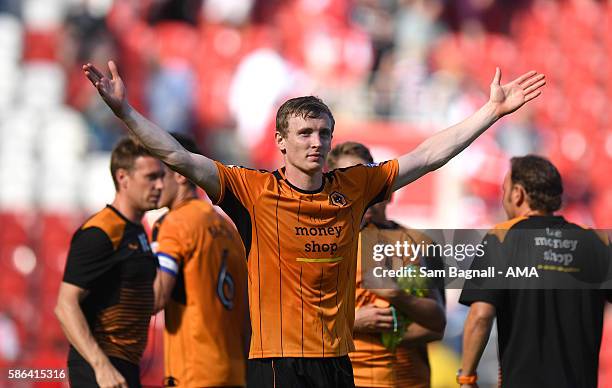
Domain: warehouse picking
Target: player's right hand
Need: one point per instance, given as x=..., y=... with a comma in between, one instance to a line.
x=112, y=90
x=373, y=319
x=108, y=377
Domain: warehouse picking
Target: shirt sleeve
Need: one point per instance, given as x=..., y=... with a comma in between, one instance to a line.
x=174, y=245
x=482, y=289
x=89, y=257
x=379, y=181
x=239, y=183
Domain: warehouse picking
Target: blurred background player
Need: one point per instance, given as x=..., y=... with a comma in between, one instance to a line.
x=106, y=298
x=375, y=365
x=202, y=285
x=300, y=226
x=547, y=337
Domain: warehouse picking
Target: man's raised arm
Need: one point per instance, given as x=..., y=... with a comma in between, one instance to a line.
x=198, y=168
x=434, y=152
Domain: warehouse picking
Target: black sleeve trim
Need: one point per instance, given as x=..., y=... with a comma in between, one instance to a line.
x=240, y=216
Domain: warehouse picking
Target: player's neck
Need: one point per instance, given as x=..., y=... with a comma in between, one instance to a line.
x=303, y=180
x=528, y=212
x=183, y=195
x=128, y=211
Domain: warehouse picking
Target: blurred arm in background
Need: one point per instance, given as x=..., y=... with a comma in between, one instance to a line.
x=427, y=312
x=163, y=286
x=475, y=336
x=70, y=315
x=373, y=319
x=418, y=334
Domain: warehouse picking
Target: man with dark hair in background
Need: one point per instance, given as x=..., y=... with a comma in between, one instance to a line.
x=300, y=225
x=202, y=285
x=546, y=337
x=106, y=298
x=374, y=365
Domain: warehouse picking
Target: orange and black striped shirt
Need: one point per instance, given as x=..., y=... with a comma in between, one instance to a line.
x=111, y=258
x=302, y=248
x=373, y=364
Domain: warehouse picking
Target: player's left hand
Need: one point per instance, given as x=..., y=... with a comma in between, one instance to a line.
x=511, y=96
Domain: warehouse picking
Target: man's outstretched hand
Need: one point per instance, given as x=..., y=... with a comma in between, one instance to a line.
x=111, y=89
x=511, y=96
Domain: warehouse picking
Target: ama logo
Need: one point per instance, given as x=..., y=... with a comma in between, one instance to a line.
x=338, y=199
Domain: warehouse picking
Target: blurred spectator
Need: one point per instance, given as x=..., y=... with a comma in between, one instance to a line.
x=185, y=11
x=261, y=80
x=170, y=97
x=384, y=87
x=170, y=90
x=11, y=6
x=232, y=12
x=376, y=17
x=519, y=135
x=418, y=26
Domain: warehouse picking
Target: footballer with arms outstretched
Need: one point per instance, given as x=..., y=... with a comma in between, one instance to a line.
x=300, y=225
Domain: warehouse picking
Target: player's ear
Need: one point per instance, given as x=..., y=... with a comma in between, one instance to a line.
x=519, y=195
x=121, y=176
x=181, y=180
x=280, y=142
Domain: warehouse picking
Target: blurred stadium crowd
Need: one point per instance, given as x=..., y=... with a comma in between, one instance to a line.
x=391, y=70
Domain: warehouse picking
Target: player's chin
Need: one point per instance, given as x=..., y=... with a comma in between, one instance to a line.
x=152, y=203
x=314, y=165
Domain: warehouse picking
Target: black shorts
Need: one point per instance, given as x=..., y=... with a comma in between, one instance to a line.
x=300, y=372
x=81, y=374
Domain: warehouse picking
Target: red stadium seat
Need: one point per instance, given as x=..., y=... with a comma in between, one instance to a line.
x=41, y=45
x=54, y=240
x=13, y=234
x=56, y=230
x=175, y=42
x=13, y=229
